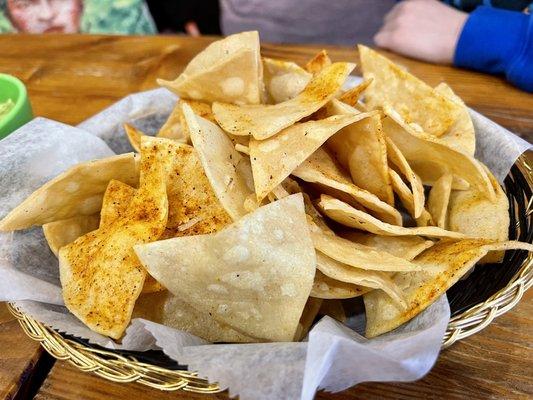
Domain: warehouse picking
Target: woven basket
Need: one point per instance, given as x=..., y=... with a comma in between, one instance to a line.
x=487, y=293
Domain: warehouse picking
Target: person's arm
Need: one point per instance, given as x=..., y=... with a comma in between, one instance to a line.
x=498, y=42
x=488, y=40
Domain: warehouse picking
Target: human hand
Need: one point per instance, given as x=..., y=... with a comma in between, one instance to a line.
x=423, y=29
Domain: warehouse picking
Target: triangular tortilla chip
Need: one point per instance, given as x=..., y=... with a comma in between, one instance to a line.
x=406, y=198
x=60, y=233
x=169, y=310
x=360, y=148
x=322, y=169
x=284, y=80
x=473, y=214
x=307, y=318
x=171, y=129
x=438, y=199
x=355, y=254
x=325, y=287
x=461, y=135
x=99, y=272
x=228, y=70
x=275, y=158
x=396, y=158
x=348, y=274
x=352, y=96
x=226, y=169
x=345, y=214
x=407, y=247
x=442, y=266
x=333, y=308
x=427, y=155
x=264, y=121
x=134, y=136
x=320, y=61
x=254, y=276
x=77, y=191
x=415, y=101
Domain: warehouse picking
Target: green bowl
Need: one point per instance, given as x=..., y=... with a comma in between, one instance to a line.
x=14, y=89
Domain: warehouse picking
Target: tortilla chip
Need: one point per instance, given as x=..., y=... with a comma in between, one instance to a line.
x=171, y=129
x=396, y=158
x=372, y=279
x=228, y=172
x=438, y=199
x=228, y=70
x=345, y=214
x=415, y=101
x=60, y=233
x=442, y=266
x=355, y=254
x=473, y=214
x=407, y=247
x=325, y=287
x=275, y=158
x=461, y=135
x=264, y=121
x=320, y=61
x=169, y=310
x=322, y=169
x=308, y=317
x=254, y=276
x=77, y=191
x=134, y=136
x=284, y=80
x=100, y=274
x=117, y=198
x=360, y=148
x=352, y=96
x=406, y=198
x=427, y=155
x=333, y=308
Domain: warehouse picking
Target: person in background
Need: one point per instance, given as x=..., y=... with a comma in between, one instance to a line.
x=496, y=37
x=72, y=16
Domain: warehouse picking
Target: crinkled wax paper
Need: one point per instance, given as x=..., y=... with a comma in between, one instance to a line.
x=333, y=357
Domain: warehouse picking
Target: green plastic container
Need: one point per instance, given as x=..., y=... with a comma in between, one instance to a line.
x=14, y=89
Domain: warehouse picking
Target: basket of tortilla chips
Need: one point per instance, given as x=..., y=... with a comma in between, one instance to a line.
x=271, y=196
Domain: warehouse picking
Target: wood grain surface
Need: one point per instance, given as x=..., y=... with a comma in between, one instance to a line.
x=70, y=78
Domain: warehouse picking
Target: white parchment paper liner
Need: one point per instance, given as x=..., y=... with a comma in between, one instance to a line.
x=334, y=357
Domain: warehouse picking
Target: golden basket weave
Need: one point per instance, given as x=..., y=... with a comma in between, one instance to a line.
x=119, y=368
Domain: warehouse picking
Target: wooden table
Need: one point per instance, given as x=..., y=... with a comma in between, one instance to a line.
x=72, y=77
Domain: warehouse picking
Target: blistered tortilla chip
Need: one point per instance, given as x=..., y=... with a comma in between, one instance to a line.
x=169, y=310
x=365, y=278
x=284, y=80
x=100, y=274
x=396, y=158
x=361, y=149
x=352, y=96
x=275, y=158
x=77, y=191
x=226, y=169
x=322, y=169
x=461, y=135
x=171, y=129
x=60, y=233
x=473, y=214
x=406, y=198
x=264, y=121
x=228, y=70
x=355, y=254
x=425, y=153
x=333, y=308
x=438, y=199
x=415, y=101
x=407, y=247
x=344, y=214
x=442, y=266
x=325, y=287
x=134, y=136
x=307, y=318
x=254, y=276
x=320, y=61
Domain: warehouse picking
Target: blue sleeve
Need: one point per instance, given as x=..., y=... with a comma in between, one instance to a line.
x=498, y=42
